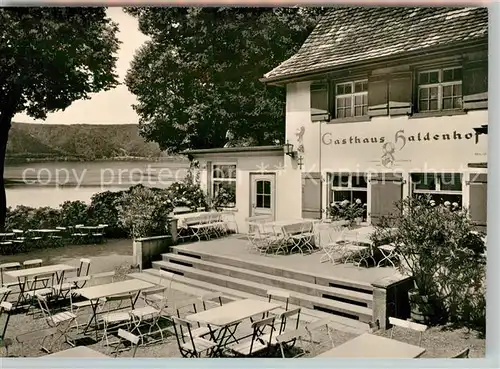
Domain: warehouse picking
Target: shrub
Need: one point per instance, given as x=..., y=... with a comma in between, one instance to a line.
x=103, y=209
x=73, y=213
x=440, y=249
x=143, y=212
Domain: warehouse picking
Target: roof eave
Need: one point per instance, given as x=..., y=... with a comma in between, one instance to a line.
x=280, y=80
x=240, y=149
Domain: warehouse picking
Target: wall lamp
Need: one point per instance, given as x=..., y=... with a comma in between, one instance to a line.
x=289, y=150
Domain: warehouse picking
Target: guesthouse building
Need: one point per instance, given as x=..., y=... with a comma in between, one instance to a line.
x=381, y=103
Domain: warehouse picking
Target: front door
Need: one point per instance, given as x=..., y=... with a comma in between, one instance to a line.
x=262, y=194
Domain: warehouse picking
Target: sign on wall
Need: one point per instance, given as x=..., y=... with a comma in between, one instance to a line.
x=437, y=144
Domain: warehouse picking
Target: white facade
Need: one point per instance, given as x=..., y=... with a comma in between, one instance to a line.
x=402, y=144
x=265, y=167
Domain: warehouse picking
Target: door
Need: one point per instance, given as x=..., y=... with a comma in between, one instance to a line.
x=262, y=195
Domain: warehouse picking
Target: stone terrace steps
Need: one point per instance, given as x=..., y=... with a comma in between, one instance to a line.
x=279, y=271
x=344, y=309
x=199, y=288
x=292, y=285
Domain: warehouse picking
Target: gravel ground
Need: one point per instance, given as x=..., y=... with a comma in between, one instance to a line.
x=438, y=341
x=441, y=342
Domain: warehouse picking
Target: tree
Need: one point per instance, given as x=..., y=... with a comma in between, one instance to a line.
x=50, y=57
x=198, y=75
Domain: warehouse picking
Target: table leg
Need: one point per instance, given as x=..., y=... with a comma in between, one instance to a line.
x=94, y=304
x=22, y=286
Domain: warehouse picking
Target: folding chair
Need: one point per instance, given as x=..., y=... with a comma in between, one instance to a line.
x=229, y=218
x=406, y=324
x=125, y=336
x=5, y=309
x=464, y=354
x=290, y=337
x=200, y=331
x=281, y=321
x=318, y=324
x=4, y=293
x=210, y=297
x=114, y=319
x=190, y=345
x=43, y=289
x=75, y=306
x=260, y=340
x=5, y=268
x=280, y=296
x=151, y=313
x=61, y=321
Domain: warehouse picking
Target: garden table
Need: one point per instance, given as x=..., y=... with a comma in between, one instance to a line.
x=371, y=346
x=78, y=351
x=227, y=317
x=95, y=293
x=183, y=219
x=22, y=275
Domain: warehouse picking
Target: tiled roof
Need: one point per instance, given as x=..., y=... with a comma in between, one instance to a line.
x=346, y=35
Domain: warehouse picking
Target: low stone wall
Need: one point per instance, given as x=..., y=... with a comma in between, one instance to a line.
x=390, y=299
x=149, y=249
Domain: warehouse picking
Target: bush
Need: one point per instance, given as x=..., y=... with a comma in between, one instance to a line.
x=103, y=209
x=144, y=212
x=440, y=248
x=73, y=213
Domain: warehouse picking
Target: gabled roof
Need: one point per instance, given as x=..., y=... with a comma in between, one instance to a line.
x=349, y=35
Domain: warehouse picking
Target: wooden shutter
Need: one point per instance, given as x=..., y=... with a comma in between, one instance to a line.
x=311, y=195
x=478, y=198
x=319, y=102
x=377, y=96
x=400, y=93
x=209, y=179
x=475, y=85
x=386, y=190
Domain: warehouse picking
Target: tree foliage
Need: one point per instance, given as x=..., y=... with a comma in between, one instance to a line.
x=50, y=57
x=198, y=76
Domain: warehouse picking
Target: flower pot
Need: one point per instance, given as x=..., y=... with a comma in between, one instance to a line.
x=421, y=307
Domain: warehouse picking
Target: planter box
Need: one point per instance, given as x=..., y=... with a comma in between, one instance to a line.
x=149, y=249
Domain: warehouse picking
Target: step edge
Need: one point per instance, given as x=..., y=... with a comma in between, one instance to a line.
x=327, y=302
x=315, y=275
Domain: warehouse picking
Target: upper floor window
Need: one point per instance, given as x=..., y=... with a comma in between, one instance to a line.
x=440, y=89
x=351, y=99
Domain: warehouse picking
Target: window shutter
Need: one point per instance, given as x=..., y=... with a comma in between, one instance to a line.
x=319, y=102
x=377, y=96
x=311, y=195
x=386, y=190
x=478, y=198
x=475, y=85
x=400, y=93
x=209, y=179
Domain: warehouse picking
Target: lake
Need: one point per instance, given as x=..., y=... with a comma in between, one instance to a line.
x=52, y=183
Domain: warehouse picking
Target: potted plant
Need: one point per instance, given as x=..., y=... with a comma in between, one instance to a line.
x=438, y=248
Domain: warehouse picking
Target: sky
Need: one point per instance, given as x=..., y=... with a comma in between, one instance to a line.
x=108, y=107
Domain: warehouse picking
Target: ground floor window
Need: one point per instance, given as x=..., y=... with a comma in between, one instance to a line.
x=224, y=183
x=349, y=187
x=442, y=188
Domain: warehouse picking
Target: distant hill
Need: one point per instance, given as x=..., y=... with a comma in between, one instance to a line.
x=78, y=142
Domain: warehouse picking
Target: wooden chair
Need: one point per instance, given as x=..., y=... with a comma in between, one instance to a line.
x=464, y=354
x=191, y=304
x=125, y=336
x=279, y=296
x=210, y=297
x=61, y=321
x=406, y=324
x=114, y=317
x=260, y=341
x=190, y=345
x=292, y=336
x=281, y=326
x=318, y=324
x=5, y=268
x=151, y=313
